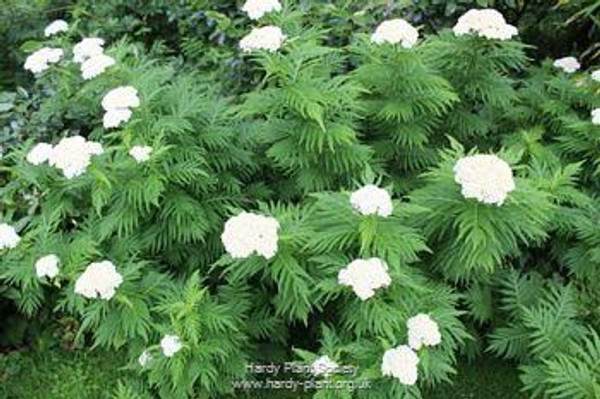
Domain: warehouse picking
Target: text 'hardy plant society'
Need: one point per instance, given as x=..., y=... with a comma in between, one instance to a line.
x=323, y=366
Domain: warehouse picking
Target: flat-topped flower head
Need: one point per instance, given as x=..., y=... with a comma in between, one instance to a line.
x=121, y=97
x=141, y=153
x=567, y=64
x=596, y=75
x=365, y=276
x=72, y=155
x=56, y=27
x=401, y=363
x=596, y=116
x=396, y=31
x=484, y=177
x=100, y=279
x=372, y=200
x=487, y=23
x=249, y=233
x=170, y=345
x=268, y=38
x=115, y=117
x=40, y=60
x=39, y=154
x=256, y=9
x=87, y=48
x=423, y=331
x=323, y=366
x=8, y=236
x=118, y=103
x=47, y=266
x=96, y=65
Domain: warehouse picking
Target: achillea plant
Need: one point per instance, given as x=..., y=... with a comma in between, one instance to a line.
x=379, y=201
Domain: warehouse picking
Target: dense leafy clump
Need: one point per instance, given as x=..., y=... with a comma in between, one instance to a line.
x=208, y=187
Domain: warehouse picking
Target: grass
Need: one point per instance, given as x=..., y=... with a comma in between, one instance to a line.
x=487, y=378
x=59, y=374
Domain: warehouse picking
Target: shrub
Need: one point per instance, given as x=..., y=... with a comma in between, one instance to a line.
x=309, y=190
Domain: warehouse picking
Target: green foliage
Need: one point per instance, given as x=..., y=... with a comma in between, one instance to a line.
x=544, y=331
x=473, y=239
x=307, y=118
x=404, y=106
x=290, y=134
x=480, y=73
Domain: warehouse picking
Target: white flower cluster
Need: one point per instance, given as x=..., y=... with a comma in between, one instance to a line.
x=487, y=23
x=8, y=236
x=567, y=64
x=94, y=66
x=323, y=366
x=145, y=358
x=40, y=60
x=269, y=38
x=141, y=153
x=596, y=75
x=247, y=233
x=88, y=48
x=39, y=154
x=256, y=9
x=118, y=103
x=365, y=276
x=72, y=155
x=484, y=177
x=396, y=31
x=90, y=53
x=56, y=27
x=47, y=266
x=423, y=330
x=596, y=116
x=401, y=362
x=100, y=279
x=372, y=200
x=170, y=345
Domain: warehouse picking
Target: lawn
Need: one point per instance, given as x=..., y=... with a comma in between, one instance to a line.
x=64, y=375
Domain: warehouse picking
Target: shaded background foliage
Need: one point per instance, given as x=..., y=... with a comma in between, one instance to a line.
x=185, y=27
x=204, y=35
